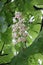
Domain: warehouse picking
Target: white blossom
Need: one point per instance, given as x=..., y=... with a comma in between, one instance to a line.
x=19, y=30
x=40, y=61
x=18, y=15
x=14, y=35
x=19, y=39
x=26, y=32
x=14, y=41
x=14, y=20
x=15, y=53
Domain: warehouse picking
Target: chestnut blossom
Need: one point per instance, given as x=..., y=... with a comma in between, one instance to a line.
x=14, y=20
x=18, y=15
x=14, y=41
x=19, y=30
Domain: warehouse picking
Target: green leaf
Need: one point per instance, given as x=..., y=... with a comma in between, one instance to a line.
x=6, y=39
x=4, y=28
x=8, y=36
x=39, y=6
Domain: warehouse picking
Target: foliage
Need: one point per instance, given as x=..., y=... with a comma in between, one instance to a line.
x=30, y=55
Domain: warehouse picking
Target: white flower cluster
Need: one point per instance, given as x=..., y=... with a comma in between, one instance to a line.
x=18, y=15
x=19, y=29
x=19, y=32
